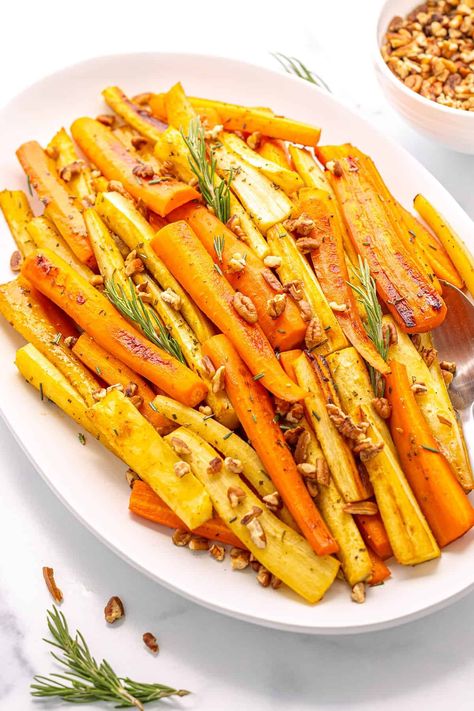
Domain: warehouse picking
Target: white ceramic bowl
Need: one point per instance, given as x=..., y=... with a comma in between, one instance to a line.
x=453, y=128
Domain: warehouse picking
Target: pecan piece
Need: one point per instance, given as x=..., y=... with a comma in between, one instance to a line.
x=114, y=610
x=315, y=334
x=150, y=641
x=48, y=575
x=16, y=261
x=382, y=407
x=245, y=307
x=276, y=305
x=302, y=225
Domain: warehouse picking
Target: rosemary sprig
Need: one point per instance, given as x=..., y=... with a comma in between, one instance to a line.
x=218, y=197
x=134, y=309
x=86, y=681
x=367, y=293
x=219, y=242
x=295, y=66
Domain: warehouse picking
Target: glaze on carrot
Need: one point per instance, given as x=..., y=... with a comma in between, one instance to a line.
x=254, y=409
x=93, y=312
x=189, y=262
x=284, y=332
x=410, y=298
x=441, y=498
x=145, y=503
x=113, y=372
x=54, y=195
x=374, y=534
x=113, y=159
x=380, y=571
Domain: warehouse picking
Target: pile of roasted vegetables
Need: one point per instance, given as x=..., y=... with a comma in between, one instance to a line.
x=244, y=318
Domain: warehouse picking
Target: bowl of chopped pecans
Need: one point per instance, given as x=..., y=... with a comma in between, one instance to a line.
x=425, y=64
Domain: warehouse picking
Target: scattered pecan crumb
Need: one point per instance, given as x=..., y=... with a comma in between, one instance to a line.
x=181, y=469
x=217, y=551
x=48, y=575
x=382, y=407
x=181, y=538
x=264, y=577
x=245, y=307
x=335, y=168
x=315, y=333
x=418, y=388
x=150, y=641
x=448, y=365
x=233, y=224
x=114, y=610
x=16, y=261
x=306, y=312
x=198, y=543
x=236, y=495
x=301, y=225
x=215, y=465
x=233, y=465
x=72, y=170
x=172, y=298
x=179, y=446
x=106, y=120
x=218, y=380
x=307, y=244
x=236, y=263
x=144, y=170
x=302, y=447
x=131, y=477
x=205, y=410
x=358, y=593
x=139, y=142
x=239, y=558
x=96, y=280
x=271, y=279
x=307, y=469
x=272, y=262
x=208, y=365
x=273, y=501
x=389, y=333
x=70, y=341
x=276, y=305
x=363, y=508
x=254, y=139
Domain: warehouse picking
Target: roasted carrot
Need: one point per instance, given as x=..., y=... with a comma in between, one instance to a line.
x=96, y=315
x=441, y=498
x=111, y=157
x=283, y=332
x=331, y=270
x=60, y=205
x=41, y=323
x=254, y=409
x=380, y=572
x=145, y=503
x=409, y=296
x=437, y=255
x=189, y=262
x=113, y=372
x=135, y=115
x=374, y=534
x=274, y=150
x=248, y=119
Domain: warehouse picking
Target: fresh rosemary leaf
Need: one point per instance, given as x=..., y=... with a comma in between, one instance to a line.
x=83, y=680
x=259, y=376
x=219, y=242
x=81, y=437
x=367, y=295
x=216, y=196
x=145, y=318
x=430, y=449
x=295, y=66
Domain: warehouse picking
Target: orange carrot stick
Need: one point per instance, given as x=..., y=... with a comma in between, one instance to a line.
x=145, y=503
x=380, y=572
x=441, y=498
x=330, y=267
x=410, y=298
x=113, y=371
x=96, y=315
x=285, y=331
x=53, y=194
x=254, y=409
x=113, y=159
x=374, y=534
x=287, y=360
x=191, y=265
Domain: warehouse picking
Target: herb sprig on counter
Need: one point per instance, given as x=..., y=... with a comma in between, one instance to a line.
x=84, y=680
x=295, y=66
x=216, y=196
x=367, y=295
x=133, y=308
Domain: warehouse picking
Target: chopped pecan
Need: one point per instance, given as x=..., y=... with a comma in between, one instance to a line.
x=198, y=543
x=16, y=261
x=264, y=577
x=302, y=447
x=389, y=333
x=276, y=305
x=181, y=538
x=307, y=470
x=239, y=558
x=362, y=508
x=295, y=413
x=144, y=170
x=323, y=475
x=236, y=495
x=114, y=610
x=181, y=469
x=366, y=449
x=236, y=263
x=271, y=279
x=253, y=140
x=294, y=289
x=215, y=465
x=106, y=120
x=418, y=388
x=217, y=551
x=172, y=298
x=308, y=244
x=344, y=424
x=233, y=223
x=382, y=407
x=218, y=380
x=335, y=168
x=273, y=501
x=139, y=142
x=245, y=307
x=208, y=366
x=302, y=225
x=233, y=465
x=315, y=333
x=131, y=477
x=72, y=170
x=448, y=365
x=179, y=446
x=306, y=311
x=272, y=262
x=358, y=593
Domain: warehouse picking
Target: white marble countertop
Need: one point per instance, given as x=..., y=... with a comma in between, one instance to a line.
x=228, y=664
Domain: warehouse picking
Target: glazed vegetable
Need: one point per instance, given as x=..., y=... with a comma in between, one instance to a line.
x=330, y=267
x=314, y=377
x=61, y=207
x=410, y=298
x=282, y=551
x=435, y=252
x=179, y=110
x=43, y=235
x=113, y=372
x=146, y=503
x=17, y=212
x=374, y=534
x=380, y=572
x=54, y=386
x=439, y=494
x=294, y=267
x=41, y=323
x=122, y=218
x=265, y=202
x=75, y=172
x=190, y=263
x=452, y=242
x=151, y=457
x=254, y=410
x=286, y=179
x=275, y=151
x=245, y=272
x=242, y=118
x=251, y=234
x=434, y=402
x=94, y=313
x=112, y=158
x=133, y=114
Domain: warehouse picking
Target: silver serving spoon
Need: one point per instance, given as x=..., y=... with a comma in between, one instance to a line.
x=454, y=340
